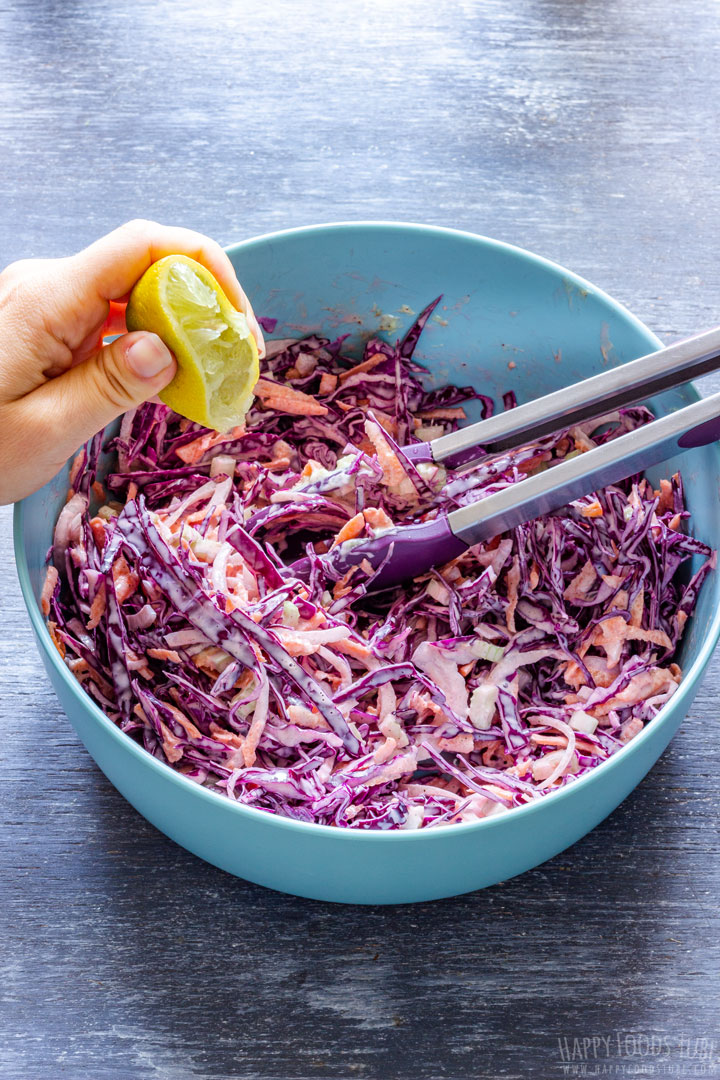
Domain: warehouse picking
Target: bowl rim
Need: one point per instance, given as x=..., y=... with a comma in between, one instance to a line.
x=686, y=688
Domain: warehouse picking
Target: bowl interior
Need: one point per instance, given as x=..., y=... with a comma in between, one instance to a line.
x=507, y=321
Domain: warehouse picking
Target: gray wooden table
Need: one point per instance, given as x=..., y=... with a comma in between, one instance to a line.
x=587, y=132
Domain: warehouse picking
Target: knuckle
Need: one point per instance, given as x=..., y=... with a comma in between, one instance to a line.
x=14, y=270
x=17, y=291
x=138, y=226
x=16, y=279
x=27, y=275
x=215, y=248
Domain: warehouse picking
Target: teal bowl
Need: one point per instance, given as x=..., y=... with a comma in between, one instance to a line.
x=508, y=320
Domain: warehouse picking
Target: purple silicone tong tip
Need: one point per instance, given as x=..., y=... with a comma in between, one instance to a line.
x=397, y=555
x=419, y=453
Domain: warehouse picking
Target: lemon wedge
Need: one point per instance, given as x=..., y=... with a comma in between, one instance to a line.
x=217, y=359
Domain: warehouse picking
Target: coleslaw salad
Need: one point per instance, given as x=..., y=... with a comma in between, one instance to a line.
x=497, y=679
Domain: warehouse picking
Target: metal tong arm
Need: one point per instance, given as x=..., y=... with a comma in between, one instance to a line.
x=409, y=550
x=624, y=385
x=695, y=425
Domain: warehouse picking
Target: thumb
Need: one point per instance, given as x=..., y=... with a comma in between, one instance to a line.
x=121, y=375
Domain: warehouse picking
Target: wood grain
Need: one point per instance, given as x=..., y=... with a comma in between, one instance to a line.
x=583, y=131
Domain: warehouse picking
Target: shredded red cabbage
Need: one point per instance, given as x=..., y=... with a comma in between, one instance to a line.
x=491, y=681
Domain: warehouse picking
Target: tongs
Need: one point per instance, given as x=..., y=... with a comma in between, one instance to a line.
x=409, y=550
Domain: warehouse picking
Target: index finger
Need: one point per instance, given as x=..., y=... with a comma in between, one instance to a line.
x=113, y=264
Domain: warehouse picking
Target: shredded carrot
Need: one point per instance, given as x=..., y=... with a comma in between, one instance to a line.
x=394, y=474
x=278, y=465
x=533, y=462
x=665, y=495
x=341, y=587
x=193, y=451
x=97, y=608
x=125, y=580
x=165, y=654
x=459, y=744
x=287, y=400
x=593, y=510
x=57, y=642
x=350, y=530
x=230, y=738
x=377, y=518
x=51, y=580
x=354, y=648
x=444, y=414
x=171, y=745
x=97, y=527
x=362, y=368
x=512, y=580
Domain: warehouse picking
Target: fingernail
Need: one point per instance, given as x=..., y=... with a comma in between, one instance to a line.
x=148, y=356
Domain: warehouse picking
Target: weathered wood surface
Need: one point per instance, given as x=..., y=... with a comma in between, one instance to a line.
x=587, y=132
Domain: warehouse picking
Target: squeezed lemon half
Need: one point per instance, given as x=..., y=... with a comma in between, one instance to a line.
x=217, y=359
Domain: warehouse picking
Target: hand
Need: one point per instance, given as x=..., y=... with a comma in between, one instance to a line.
x=58, y=384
